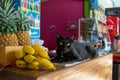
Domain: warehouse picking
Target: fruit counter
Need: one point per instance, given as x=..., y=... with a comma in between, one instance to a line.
x=96, y=69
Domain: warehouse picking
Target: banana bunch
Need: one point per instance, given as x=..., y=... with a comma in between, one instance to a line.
x=33, y=57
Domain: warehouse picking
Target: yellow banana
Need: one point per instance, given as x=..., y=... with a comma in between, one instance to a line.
x=30, y=58
x=19, y=54
x=28, y=49
x=46, y=63
x=42, y=52
x=36, y=53
x=20, y=63
x=33, y=65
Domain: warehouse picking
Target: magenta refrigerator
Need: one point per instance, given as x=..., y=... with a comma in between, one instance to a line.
x=32, y=9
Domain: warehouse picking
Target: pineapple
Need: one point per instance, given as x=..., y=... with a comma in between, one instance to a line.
x=23, y=28
x=8, y=27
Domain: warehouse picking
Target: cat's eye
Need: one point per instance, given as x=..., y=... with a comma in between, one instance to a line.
x=61, y=43
x=68, y=44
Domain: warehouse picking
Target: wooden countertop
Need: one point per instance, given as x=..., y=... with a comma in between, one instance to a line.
x=96, y=69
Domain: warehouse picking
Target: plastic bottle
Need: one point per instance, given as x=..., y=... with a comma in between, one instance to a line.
x=37, y=21
x=118, y=43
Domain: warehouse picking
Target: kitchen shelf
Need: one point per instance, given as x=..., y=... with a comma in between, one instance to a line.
x=90, y=30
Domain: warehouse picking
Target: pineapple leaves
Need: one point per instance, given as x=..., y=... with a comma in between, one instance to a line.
x=22, y=20
x=7, y=17
x=10, y=20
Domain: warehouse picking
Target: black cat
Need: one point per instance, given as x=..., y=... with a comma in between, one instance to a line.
x=67, y=50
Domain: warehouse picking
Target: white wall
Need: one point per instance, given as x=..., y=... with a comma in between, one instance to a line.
x=109, y=3
x=105, y=3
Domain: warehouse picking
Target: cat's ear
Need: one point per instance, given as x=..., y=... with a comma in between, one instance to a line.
x=58, y=36
x=72, y=37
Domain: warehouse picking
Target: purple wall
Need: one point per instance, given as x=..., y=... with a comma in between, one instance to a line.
x=59, y=13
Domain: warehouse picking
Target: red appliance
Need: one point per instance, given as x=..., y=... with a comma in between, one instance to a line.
x=113, y=24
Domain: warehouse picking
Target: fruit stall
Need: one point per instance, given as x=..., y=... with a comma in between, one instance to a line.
x=22, y=60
